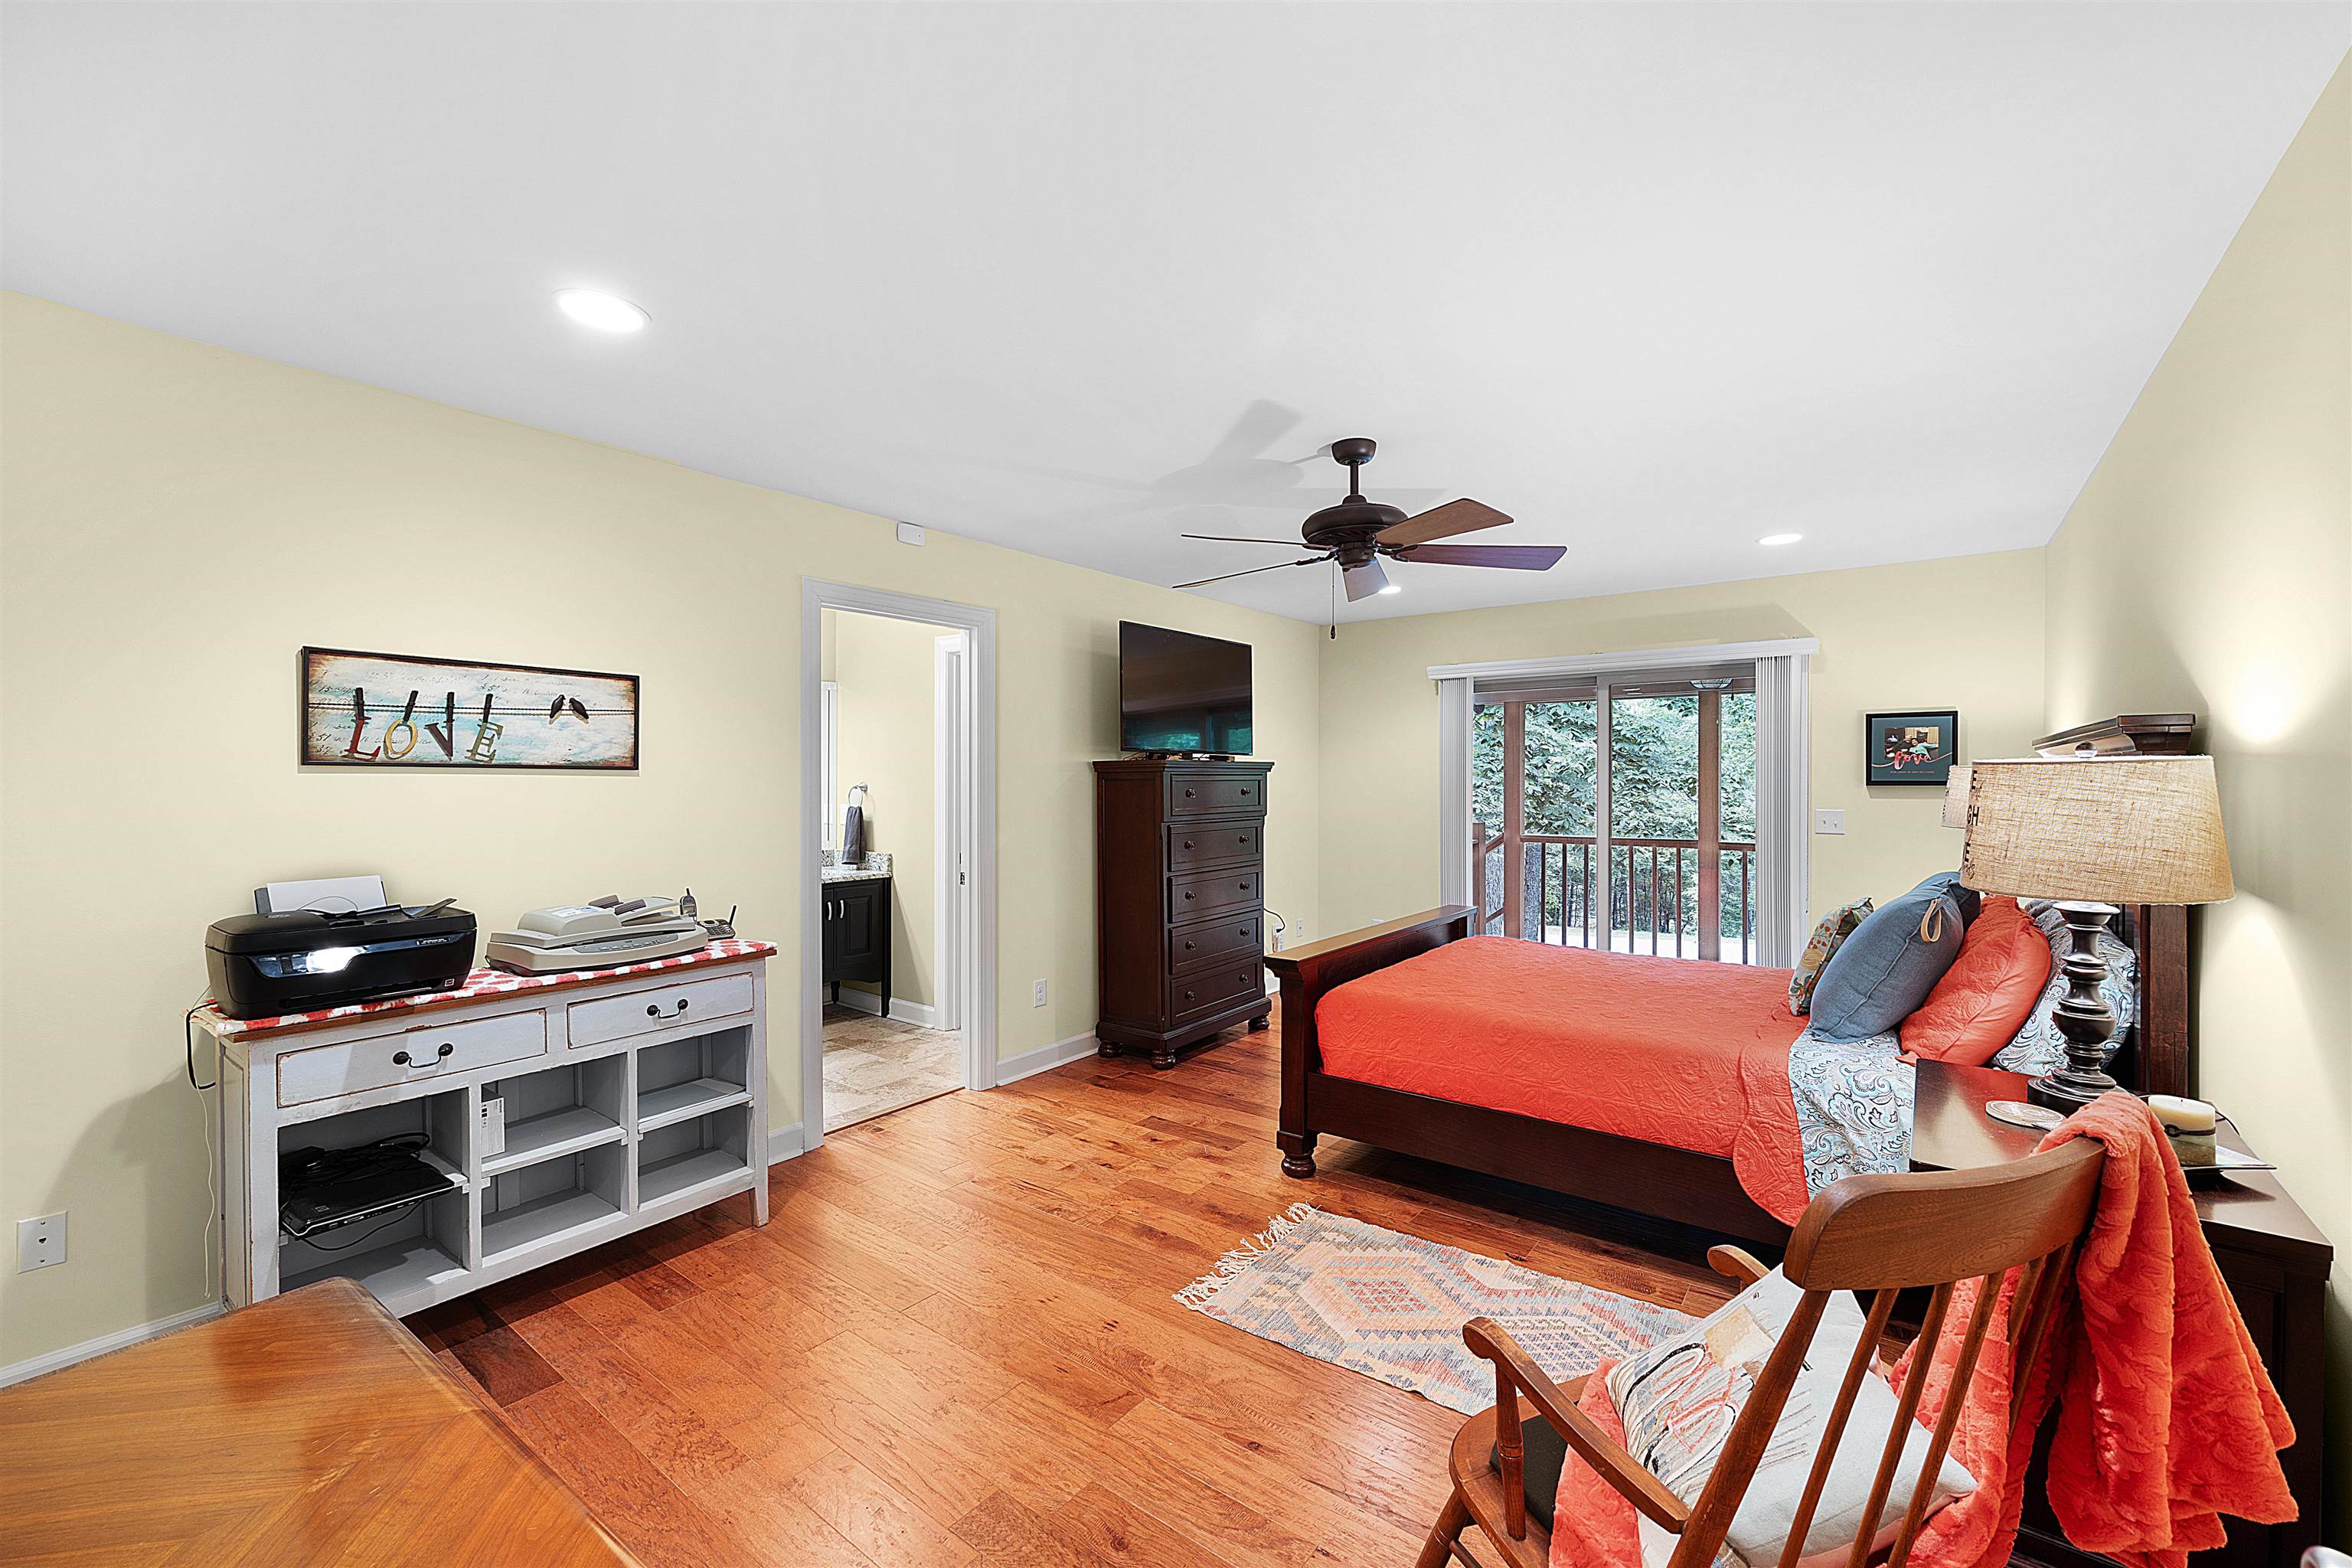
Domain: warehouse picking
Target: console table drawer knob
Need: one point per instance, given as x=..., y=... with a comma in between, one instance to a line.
x=652, y=1009
x=402, y=1058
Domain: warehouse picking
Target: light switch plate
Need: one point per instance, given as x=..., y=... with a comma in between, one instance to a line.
x=910, y=533
x=1829, y=820
x=40, y=1242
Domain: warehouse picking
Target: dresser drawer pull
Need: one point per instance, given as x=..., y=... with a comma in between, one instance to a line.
x=1244, y=886
x=402, y=1057
x=1188, y=844
x=652, y=1009
x=1187, y=795
x=1187, y=996
x=1189, y=946
x=1188, y=895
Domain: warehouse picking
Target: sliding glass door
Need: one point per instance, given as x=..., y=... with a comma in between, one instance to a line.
x=1619, y=811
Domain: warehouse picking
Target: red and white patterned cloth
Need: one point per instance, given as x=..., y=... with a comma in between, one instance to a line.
x=480, y=984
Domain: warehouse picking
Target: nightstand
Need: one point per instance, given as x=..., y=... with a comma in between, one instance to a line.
x=2273, y=1259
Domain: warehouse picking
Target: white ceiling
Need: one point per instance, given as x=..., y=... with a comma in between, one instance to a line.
x=1658, y=279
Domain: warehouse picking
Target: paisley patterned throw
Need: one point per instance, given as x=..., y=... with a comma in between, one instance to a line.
x=1392, y=1305
x=1854, y=1107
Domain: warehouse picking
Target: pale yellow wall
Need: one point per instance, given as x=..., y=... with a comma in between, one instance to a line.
x=1964, y=634
x=179, y=520
x=883, y=673
x=2206, y=567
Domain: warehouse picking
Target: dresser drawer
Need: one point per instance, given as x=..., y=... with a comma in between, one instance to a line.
x=1205, y=892
x=1215, y=942
x=324, y=1072
x=612, y=1018
x=1216, y=795
x=1207, y=844
x=1193, y=995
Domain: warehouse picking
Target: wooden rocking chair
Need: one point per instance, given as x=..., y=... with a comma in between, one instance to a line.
x=1880, y=1234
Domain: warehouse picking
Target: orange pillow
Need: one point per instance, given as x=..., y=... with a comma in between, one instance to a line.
x=1983, y=1000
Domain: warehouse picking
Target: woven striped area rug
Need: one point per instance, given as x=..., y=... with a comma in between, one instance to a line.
x=1392, y=1305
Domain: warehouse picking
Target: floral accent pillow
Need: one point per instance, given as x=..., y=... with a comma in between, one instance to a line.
x=2039, y=1047
x=1836, y=926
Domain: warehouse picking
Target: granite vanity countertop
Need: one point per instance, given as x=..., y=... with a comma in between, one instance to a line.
x=874, y=869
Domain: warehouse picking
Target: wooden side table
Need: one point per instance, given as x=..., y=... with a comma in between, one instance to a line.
x=2274, y=1260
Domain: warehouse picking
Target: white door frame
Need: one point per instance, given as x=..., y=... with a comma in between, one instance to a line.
x=977, y=955
x=951, y=832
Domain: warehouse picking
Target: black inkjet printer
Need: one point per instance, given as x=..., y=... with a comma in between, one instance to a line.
x=306, y=960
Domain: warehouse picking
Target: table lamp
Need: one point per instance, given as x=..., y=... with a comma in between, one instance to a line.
x=2091, y=833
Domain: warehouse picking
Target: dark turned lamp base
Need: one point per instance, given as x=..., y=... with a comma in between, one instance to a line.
x=2083, y=1017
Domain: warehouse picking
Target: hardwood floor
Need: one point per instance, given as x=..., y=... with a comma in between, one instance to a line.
x=954, y=1342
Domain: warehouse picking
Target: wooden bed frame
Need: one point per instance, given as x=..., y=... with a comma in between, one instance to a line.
x=1653, y=1179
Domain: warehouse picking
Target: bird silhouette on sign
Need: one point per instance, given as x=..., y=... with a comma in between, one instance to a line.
x=555, y=709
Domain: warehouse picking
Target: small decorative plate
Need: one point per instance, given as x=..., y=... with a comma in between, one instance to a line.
x=2019, y=1113
x=2225, y=1160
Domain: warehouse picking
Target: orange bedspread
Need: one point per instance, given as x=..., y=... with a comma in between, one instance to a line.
x=1668, y=1050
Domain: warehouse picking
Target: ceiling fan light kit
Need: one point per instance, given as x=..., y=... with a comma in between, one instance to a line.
x=1357, y=532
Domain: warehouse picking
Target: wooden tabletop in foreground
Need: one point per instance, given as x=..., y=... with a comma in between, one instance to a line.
x=309, y=1428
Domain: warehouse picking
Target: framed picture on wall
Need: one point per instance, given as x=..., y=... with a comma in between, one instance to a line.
x=1910, y=748
x=395, y=710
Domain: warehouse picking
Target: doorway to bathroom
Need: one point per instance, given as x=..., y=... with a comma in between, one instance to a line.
x=894, y=816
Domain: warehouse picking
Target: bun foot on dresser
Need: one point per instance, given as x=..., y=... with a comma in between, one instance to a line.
x=1261, y=1022
x=1105, y=1048
x=1163, y=1060
x=1297, y=1153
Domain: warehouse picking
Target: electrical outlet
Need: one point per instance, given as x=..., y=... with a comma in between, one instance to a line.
x=40, y=1242
x=1038, y=999
x=1829, y=819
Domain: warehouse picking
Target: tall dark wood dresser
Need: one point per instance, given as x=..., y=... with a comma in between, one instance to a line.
x=1179, y=902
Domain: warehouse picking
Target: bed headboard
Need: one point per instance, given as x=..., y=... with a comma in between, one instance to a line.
x=2155, y=1058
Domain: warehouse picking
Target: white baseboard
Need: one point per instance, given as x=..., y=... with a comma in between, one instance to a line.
x=1045, y=1058
x=121, y=1339
x=786, y=1143
x=923, y=1014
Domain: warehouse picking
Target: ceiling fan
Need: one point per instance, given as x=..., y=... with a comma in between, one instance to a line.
x=1357, y=532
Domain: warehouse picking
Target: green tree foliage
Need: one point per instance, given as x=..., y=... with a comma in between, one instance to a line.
x=1654, y=793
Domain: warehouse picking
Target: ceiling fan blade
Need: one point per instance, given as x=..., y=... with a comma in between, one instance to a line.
x=1517, y=557
x=1463, y=516
x=1254, y=571
x=1240, y=539
x=1365, y=581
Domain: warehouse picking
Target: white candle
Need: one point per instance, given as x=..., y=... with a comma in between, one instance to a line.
x=2188, y=1125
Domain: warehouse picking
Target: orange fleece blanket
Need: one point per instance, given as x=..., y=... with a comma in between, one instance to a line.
x=1666, y=1050
x=2167, y=1418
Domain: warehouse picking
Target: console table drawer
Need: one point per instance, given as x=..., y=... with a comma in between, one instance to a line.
x=324, y=1072
x=1214, y=941
x=1220, y=794
x=1190, y=996
x=1203, y=844
x=642, y=1011
x=1204, y=892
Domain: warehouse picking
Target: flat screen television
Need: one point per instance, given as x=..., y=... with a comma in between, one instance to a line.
x=1179, y=692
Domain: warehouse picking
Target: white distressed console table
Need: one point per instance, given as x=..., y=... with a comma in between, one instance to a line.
x=632, y=1095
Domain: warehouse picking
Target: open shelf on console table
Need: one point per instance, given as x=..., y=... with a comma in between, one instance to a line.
x=632, y=1096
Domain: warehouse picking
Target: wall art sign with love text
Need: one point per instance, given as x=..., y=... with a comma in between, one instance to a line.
x=387, y=710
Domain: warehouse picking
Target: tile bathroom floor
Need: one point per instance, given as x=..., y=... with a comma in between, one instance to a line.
x=877, y=1065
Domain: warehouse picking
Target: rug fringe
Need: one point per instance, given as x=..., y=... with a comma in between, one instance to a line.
x=1201, y=1291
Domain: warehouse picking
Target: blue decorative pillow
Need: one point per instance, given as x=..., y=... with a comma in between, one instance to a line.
x=1968, y=898
x=2039, y=1047
x=1881, y=973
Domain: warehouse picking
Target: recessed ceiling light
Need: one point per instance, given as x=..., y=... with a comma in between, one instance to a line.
x=1780, y=539
x=605, y=313
x=1393, y=588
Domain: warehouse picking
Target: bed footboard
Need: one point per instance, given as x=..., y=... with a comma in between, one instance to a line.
x=1306, y=973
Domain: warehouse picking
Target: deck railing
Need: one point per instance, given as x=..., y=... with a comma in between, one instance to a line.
x=1654, y=891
